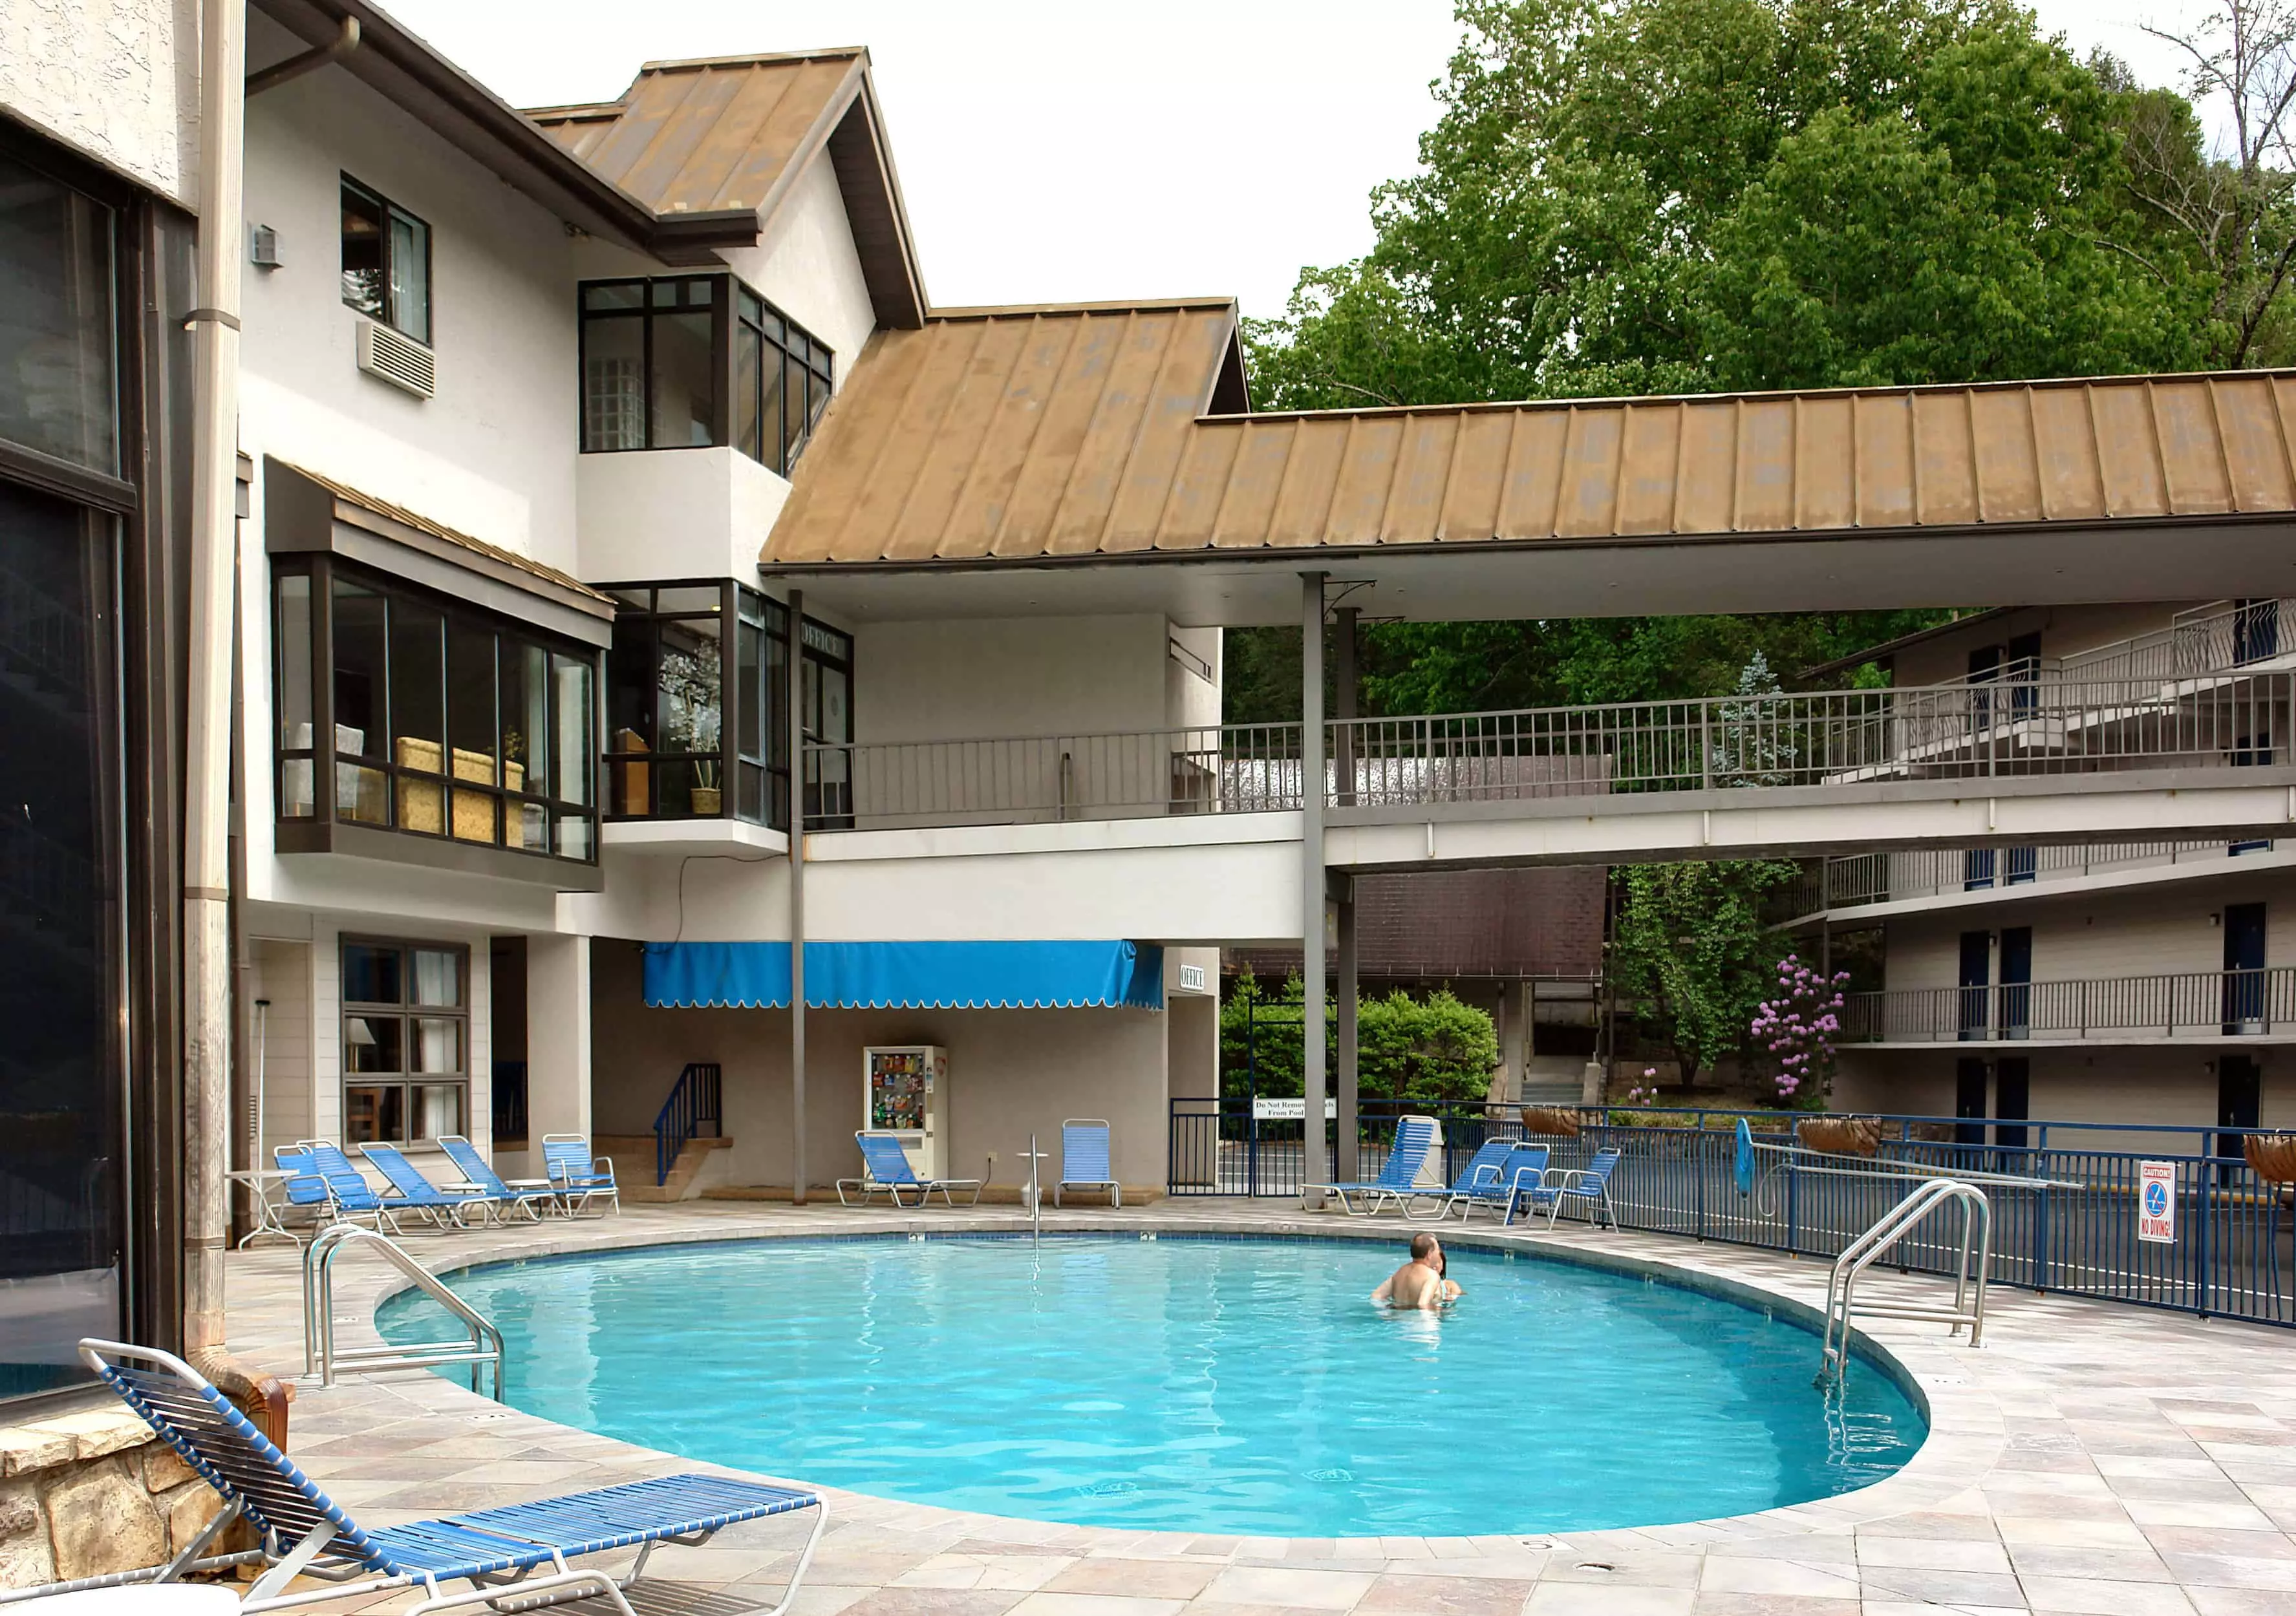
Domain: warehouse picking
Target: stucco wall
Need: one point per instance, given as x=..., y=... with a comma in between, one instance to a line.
x=1010, y=1072
x=806, y=265
x=118, y=80
x=2172, y=1086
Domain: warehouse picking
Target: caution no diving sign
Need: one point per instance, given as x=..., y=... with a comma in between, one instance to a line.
x=2156, y=1202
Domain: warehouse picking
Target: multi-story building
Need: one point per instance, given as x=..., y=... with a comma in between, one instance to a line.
x=2136, y=980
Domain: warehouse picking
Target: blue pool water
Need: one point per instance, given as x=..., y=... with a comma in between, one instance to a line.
x=1229, y=1386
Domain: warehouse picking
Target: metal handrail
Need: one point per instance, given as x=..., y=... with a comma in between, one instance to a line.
x=695, y=1099
x=483, y=1346
x=2182, y=1004
x=1877, y=1242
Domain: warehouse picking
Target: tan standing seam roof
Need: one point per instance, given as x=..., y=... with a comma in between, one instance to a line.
x=736, y=132
x=1028, y=434
x=460, y=540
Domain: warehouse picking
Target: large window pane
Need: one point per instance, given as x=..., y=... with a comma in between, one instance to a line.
x=363, y=287
x=373, y=1044
x=573, y=750
x=525, y=717
x=60, y=1078
x=361, y=686
x=418, y=714
x=373, y=1111
x=748, y=347
x=57, y=321
x=471, y=705
x=410, y=275
x=438, y=978
x=438, y=1047
x=614, y=384
x=372, y=975
x=684, y=381
x=691, y=679
x=292, y=695
x=438, y=1109
x=772, y=437
x=793, y=421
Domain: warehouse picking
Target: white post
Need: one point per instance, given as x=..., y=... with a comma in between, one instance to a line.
x=207, y=741
x=557, y=1038
x=1313, y=1163
x=795, y=672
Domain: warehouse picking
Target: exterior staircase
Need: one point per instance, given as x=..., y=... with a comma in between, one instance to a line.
x=633, y=1158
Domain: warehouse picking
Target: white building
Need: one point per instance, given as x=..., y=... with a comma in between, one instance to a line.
x=2135, y=981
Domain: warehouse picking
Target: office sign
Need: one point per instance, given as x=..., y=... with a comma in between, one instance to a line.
x=1266, y=1108
x=2156, y=1202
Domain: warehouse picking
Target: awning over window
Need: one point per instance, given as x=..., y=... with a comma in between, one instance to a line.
x=907, y=976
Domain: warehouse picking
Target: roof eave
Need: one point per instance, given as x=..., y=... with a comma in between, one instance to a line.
x=405, y=70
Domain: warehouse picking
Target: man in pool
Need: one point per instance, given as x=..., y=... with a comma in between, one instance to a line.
x=1418, y=1283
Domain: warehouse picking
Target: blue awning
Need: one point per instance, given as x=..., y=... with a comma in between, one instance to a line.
x=907, y=976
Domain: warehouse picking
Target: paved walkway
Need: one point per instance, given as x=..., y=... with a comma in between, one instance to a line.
x=2091, y=1459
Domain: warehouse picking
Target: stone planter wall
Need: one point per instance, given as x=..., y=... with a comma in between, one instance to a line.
x=93, y=1491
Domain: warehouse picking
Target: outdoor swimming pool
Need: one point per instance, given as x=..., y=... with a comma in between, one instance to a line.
x=1178, y=1384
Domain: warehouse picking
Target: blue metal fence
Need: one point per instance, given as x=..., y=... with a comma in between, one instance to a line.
x=2230, y=1258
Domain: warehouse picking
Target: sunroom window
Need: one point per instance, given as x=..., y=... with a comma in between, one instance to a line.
x=402, y=711
x=693, y=732
x=685, y=362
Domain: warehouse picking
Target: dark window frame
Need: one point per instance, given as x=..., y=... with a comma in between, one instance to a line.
x=406, y=1012
x=145, y=507
x=732, y=320
x=646, y=770
x=316, y=766
x=390, y=315
x=828, y=770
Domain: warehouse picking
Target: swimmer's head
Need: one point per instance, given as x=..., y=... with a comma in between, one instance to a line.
x=1422, y=1247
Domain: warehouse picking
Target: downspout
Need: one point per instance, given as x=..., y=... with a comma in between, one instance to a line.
x=795, y=672
x=207, y=1122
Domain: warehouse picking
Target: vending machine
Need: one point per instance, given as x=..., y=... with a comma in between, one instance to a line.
x=905, y=1091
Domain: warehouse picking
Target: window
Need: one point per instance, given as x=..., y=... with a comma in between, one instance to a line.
x=691, y=362
x=406, y=1024
x=681, y=722
x=402, y=712
x=386, y=261
x=825, y=705
x=57, y=320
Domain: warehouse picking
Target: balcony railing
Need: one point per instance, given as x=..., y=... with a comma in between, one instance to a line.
x=1886, y=878
x=2223, y=638
x=2188, y=1004
x=1946, y=732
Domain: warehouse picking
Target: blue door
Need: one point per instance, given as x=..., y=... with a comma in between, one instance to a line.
x=2016, y=1017
x=1976, y=975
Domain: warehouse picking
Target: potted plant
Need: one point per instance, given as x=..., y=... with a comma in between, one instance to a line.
x=707, y=798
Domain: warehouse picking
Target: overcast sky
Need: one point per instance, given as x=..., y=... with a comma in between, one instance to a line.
x=1083, y=150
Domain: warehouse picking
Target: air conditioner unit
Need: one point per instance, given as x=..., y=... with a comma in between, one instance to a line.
x=396, y=358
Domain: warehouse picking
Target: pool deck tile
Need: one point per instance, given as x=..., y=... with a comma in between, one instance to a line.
x=2090, y=1461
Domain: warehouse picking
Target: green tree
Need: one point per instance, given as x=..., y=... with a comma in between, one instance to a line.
x=1418, y=1051
x=1691, y=954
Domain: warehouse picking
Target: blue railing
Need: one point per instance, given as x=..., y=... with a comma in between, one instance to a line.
x=2231, y=1256
x=696, y=1098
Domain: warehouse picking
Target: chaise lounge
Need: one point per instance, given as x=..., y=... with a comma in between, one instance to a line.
x=885, y=1165
x=1398, y=1179
x=303, y=1533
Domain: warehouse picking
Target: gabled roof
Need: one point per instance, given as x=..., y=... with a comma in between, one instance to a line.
x=735, y=132
x=1060, y=435
x=409, y=73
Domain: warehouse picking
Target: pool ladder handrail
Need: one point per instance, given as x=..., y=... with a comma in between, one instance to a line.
x=1893, y=1225
x=480, y=1348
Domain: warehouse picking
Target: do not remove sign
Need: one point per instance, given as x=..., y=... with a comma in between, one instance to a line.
x=2156, y=1202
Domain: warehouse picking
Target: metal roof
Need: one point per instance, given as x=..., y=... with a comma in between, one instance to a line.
x=735, y=132
x=1049, y=434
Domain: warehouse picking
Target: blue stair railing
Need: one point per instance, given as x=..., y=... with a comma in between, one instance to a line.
x=696, y=1098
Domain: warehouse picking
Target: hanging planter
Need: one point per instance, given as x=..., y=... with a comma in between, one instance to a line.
x=1550, y=1122
x=2272, y=1156
x=1840, y=1136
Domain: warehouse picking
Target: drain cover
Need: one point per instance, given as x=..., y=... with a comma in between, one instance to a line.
x=1110, y=1490
x=1332, y=1474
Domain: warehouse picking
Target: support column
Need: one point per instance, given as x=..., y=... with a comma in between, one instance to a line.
x=1514, y=1045
x=1343, y=889
x=557, y=1037
x=1311, y=879
x=795, y=670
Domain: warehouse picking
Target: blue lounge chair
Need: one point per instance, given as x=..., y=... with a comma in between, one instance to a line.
x=530, y=1196
x=304, y=1532
x=1499, y=1171
x=1414, y=1137
x=577, y=1176
x=885, y=1165
x=1590, y=1184
x=303, y=1194
x=1084, y=1159
x=413, y=1193
x=349, y=1194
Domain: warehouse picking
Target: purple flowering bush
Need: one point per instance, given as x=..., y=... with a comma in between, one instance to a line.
x=1797, y=1026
